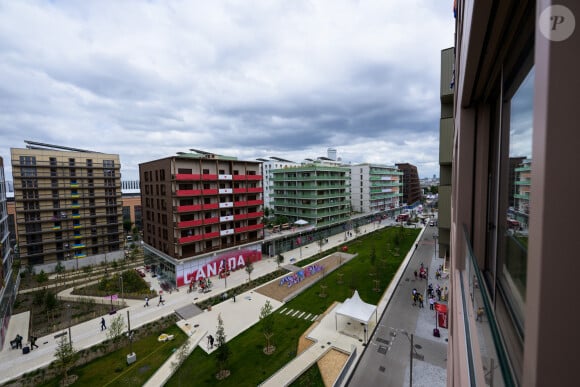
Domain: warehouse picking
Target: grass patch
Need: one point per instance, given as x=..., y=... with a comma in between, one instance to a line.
x=113, y=367
x=310, y=378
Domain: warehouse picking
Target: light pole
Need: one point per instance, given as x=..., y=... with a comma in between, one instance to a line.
x=122, y=292
x=69, y=323
x=435, y=236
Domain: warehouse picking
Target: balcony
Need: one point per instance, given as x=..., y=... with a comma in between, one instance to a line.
x=249, y=228
x=209, y=176
x=188, y=192
x=189, y=208
x=189, y=223
x=209, y=192
x=255, y=189
x=227, y=232
x=240, y=204
x=240, y=190
x=211, y=220
x=254, y=202
x=187, y=176
x=211, y=235
x=78, y=245
x=211, y=206
x=224, y=177
x=223, y=191
x=475, y=310
x=190, y=239
x=240, y=216
x=256, y=214
x=254, y=177
x=226, y=204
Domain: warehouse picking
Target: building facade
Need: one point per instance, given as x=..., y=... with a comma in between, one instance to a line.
x=268, y=165
x=68, y=205
x=512, y=319
x=8, y=280
x=318, y=194
x=411, y=185
x=375, y=188
x=202, y=212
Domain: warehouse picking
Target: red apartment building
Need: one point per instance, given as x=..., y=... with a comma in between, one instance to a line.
x=202, y=215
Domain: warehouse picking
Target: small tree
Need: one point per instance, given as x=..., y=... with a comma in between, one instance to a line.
x=59, y=270
x=223, y=350
x=66, y=356
x=41, y=277
x=182, y=354
x=249, y=269
x=115, y=331
x=279, y=259
x=267, y=320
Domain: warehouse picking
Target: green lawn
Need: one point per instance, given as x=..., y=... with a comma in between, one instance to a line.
x=249, y=366
x=112, y=369
x=310, y=378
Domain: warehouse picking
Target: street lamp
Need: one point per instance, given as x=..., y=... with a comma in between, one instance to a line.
x=69, y=323
x=122, y=292
x=435, y=236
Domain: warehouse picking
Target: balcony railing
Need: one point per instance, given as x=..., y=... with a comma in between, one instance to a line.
x=478, y=312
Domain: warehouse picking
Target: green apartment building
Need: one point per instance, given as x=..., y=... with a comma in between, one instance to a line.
x=318, y=194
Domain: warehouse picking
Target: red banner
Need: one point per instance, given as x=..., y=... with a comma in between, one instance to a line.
x=441, y=310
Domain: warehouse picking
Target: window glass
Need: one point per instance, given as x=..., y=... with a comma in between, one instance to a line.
x=515, y=231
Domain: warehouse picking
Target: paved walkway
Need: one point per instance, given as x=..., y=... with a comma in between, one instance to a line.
x=237, y=317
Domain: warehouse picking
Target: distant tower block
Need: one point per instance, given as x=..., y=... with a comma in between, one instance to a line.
x=331, y=153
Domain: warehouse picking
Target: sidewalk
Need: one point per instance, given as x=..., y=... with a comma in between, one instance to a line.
x=14, y=363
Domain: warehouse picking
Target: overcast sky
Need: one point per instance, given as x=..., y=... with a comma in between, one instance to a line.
x=147, y=79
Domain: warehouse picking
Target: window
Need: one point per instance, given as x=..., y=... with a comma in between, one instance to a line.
x=27, y=160
x=108, y=164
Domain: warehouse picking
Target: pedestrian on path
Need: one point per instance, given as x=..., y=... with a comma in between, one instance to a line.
x=103, y=324
x=146, y=302
x=421, y=305
x=431, y=302
x=211, y=341
x=33, y=342
x=161, y=300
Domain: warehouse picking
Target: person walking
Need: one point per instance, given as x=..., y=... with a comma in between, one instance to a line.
x=103, y=324
x=146, y=302
x=421, y=305
x=431, y=302
x=161, y=300
x=33, y=342
x=210, y=341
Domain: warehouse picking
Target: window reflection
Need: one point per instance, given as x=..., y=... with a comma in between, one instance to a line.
x=515, y=246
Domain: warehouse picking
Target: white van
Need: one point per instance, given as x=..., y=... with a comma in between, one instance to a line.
x=129, y=238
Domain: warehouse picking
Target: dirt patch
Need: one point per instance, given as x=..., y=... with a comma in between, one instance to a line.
x=281, y=292
x=330, y=366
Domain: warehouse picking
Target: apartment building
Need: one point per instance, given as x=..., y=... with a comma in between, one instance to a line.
x=316, y=193
x=411, y=185
x=516, y=92
x=202, y=213
x=8, y=280
x=268, y=165
x=375, y=188
x=68, y=205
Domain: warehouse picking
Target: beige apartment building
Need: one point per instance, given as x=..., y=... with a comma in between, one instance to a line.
x=516, y=88
x=68, y=205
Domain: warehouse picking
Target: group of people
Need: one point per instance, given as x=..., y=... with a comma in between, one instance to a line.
x=441, y=292
x=17, y=342
x=417, y=298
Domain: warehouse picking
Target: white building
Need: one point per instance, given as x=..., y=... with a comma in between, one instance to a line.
x=375, y=187
x=268, y=165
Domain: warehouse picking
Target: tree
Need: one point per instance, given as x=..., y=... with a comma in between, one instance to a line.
x=182, y=355
x=249, y=269
x=267, y=320
x=223, y=350
x=50, y=303
x=279, y=259
x=127, y=225
x=116, y=328
x=41, y=277
x=59, y=269
x=66, y=356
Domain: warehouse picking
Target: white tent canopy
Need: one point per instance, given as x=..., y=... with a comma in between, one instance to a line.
x=356, y=309
x=301, y=222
